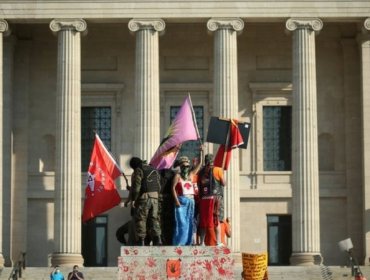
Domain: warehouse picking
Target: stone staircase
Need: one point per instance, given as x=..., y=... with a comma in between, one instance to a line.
x=43, y=273
x=275, y=273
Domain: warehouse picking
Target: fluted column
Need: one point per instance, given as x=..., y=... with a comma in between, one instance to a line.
x=225, y=80
x=305, y=182
x=147, y=113
x=67, y=218
x=365, y=63
x=3, y=28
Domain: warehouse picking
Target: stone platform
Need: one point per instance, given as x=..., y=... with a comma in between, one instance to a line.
x=163, y=262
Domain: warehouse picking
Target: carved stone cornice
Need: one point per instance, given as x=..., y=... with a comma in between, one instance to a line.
x=156, y=24
x=78, y=25
x=236, y=24
x=314, y=24
x=4, y=27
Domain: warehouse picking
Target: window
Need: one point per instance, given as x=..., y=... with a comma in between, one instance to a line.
x=94, y=119
x=279, y=236
x=191, y=148
x=277, y=138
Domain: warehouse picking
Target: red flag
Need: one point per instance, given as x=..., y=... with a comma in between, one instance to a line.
x=101, y=193
x=234, y=140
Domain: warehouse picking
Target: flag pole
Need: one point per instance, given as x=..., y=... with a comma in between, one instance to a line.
x=226, y=146
x=124, y=176
x=194, y=119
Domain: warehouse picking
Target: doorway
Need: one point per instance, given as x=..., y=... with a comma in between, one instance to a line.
x=279, y=234
x=94, y=241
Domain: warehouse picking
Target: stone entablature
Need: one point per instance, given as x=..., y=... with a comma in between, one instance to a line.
x=183, y=11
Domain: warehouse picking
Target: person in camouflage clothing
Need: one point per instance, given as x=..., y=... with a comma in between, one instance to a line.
x=145, y=192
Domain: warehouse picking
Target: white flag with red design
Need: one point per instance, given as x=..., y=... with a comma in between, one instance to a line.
x=101, y=193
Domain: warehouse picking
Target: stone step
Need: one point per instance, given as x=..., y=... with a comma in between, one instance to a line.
x=43, y=273
x=275, y=273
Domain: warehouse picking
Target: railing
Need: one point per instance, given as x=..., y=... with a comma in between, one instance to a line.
x=18, y=267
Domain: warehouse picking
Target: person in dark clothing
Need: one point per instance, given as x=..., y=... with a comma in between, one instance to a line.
x=75, y=274
x=166, y=206
x=145, y=193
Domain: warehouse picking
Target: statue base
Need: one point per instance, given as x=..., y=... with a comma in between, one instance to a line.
x=166, y=262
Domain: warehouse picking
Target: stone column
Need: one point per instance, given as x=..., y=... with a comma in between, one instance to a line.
x=67, y=211
x=305, y=181
x=14, y=202
x=147, y=113
x=365, y=68
x=3, y=28
x=225, y=80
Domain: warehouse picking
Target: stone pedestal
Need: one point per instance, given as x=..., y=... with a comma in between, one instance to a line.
x=225, y=98
x=306, y=213
x=147, y=132
x=196, y=262
x=67, y=218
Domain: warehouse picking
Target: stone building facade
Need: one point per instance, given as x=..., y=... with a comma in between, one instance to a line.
x=298, y=71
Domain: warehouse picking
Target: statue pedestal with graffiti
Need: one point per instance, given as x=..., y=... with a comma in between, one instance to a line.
x=173, y=262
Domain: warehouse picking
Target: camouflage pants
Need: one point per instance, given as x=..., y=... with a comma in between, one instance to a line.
x=147, y=214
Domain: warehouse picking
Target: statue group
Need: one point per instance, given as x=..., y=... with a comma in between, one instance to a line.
x=179, y=206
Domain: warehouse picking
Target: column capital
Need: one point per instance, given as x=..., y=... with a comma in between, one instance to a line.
x=78, y=25
x=314, y=24
x=364, y=36
x=137, y=24
x=4, y=27
x=367, y=24
x=236, y=24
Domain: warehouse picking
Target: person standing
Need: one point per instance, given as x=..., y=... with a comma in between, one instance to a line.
x=183, y=192
x=166, y=205
x=75, y=274
x=56, y=274
x=211, y=206
x=145, y=191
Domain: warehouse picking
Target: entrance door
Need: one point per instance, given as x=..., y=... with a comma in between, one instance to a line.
x=279, y=235
x=94, y=242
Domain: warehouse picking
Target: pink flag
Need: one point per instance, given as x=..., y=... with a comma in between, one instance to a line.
x=183, y=128
x=101, y=193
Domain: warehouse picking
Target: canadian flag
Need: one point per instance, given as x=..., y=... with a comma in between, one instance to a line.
x=101, y=193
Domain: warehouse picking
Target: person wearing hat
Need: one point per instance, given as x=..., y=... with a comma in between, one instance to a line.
x=211, y=204
x=183, y=192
